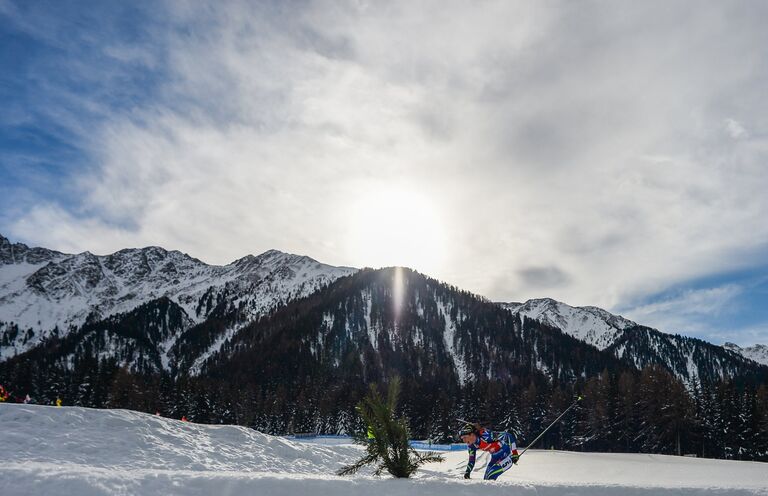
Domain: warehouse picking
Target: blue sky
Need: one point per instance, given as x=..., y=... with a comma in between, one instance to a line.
x=610, y=154
x=58, y=82
x=728, y=307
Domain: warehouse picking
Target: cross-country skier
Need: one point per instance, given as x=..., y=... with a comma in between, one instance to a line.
x=503, y=451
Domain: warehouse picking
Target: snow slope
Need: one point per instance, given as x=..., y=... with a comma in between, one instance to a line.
x=84, y=452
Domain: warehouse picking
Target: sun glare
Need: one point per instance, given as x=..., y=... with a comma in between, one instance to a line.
x=398, y=292
x=397, y=228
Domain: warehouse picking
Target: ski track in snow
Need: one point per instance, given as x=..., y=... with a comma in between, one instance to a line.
x=85, y=452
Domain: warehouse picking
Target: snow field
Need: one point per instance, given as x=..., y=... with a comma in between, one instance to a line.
x=84, y=452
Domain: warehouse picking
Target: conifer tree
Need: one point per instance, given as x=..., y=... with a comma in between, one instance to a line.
x=761, y=423
x=387, y=439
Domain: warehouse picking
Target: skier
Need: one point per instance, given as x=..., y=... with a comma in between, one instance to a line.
x=503, y=451
x=3, y=394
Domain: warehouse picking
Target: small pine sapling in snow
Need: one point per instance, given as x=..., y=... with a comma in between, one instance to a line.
x=387, y=437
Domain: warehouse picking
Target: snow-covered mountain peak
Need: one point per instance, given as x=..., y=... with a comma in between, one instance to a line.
x=615, y=320
x=274, y=262
x=271, y=257
x=689, y=359
x=541, y=302
x=758, y=352
x=512, y=305
x=41, y=290
x=274, y=253
x=18, y=253
x=590, y=324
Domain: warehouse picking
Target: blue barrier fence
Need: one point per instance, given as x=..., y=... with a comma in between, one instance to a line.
x=338, y=439
x=421, y=445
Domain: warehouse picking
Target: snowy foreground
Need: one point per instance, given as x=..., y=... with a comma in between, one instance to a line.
x=79, y=451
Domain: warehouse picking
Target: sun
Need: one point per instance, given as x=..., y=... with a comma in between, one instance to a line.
x=397, y=227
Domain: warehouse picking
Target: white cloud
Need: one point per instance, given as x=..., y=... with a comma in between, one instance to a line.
x=570, y=151
x=735, y=129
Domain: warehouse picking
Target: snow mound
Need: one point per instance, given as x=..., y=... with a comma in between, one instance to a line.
x=128, y=439
x=80, y=451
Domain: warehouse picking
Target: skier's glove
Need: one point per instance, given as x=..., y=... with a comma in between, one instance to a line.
x=515, y=458
x=466, y=475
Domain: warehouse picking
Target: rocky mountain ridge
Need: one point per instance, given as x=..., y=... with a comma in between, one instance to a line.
x=690, y=359
x=45, y=293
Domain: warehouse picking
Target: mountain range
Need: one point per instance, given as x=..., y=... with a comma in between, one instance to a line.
x=159, y=310
x=688, y=358
x=46, y=293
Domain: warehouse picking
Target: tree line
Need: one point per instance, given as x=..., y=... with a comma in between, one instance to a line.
x=648, y=411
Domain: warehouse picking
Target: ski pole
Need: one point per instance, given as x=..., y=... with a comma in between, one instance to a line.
x=579, y=398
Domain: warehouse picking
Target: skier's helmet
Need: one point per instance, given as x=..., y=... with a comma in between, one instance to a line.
x=466, y=430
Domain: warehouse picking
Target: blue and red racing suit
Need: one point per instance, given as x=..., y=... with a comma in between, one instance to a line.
x=503, y=453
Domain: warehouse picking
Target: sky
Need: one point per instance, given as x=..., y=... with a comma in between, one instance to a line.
x=599, y=153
